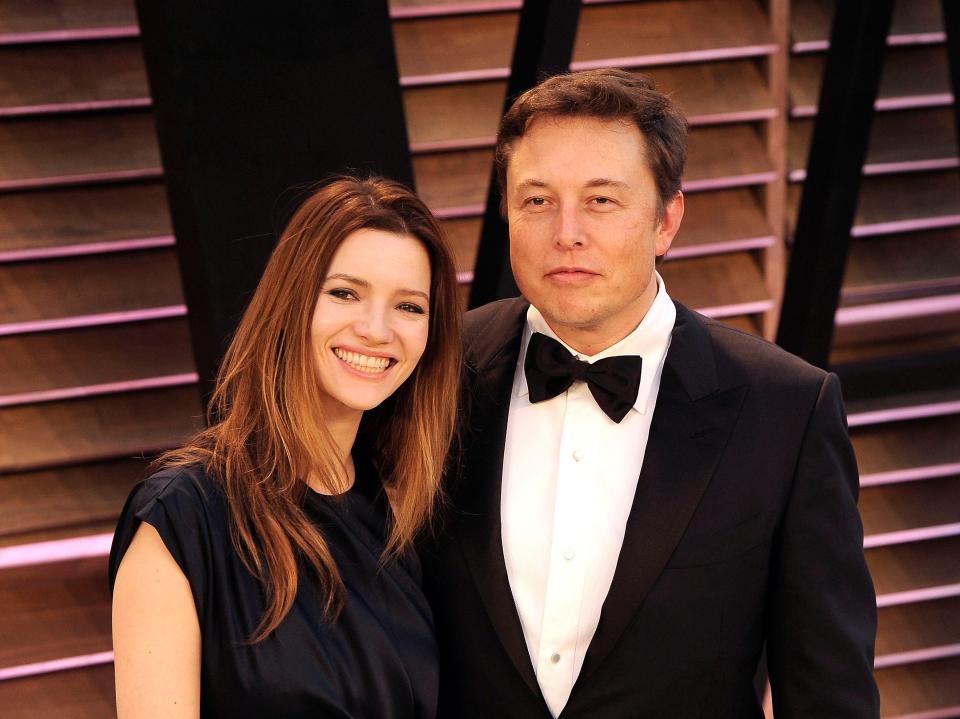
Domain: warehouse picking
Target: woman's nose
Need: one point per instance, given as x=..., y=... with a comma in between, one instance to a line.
x=374, y=326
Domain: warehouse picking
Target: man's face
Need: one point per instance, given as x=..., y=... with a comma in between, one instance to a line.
x=584, y=231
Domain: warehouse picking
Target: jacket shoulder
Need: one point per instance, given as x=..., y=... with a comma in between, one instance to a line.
x=488, y=328
x=737, y=351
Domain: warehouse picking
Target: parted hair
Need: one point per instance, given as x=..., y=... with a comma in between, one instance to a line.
x=607, y=94
x=266, y=432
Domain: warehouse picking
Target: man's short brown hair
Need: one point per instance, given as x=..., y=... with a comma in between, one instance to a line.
x=605, y=95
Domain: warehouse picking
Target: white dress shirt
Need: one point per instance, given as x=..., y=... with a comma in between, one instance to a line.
x=569, y=476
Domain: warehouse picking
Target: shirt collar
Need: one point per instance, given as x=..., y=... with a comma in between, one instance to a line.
x=650, y=339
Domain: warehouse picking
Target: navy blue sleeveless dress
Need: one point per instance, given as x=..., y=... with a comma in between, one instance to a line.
x=378, y=659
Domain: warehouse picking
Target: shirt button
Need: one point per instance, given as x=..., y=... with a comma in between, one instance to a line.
x=577, y=455
x=554, y=658
x=569, y=554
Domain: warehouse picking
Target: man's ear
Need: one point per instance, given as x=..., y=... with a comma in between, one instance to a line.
x=669, y=223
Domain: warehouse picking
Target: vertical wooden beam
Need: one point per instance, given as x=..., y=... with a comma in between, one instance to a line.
x=951, y=23
x=544, y=46
x=777, y=128
x=253, y=99
x=834, y=169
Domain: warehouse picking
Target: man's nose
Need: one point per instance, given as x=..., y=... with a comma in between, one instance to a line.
x=570, y=231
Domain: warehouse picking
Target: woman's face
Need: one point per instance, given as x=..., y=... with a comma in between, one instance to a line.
x=371, y=320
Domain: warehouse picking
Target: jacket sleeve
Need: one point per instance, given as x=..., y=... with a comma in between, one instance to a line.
x=822, y=618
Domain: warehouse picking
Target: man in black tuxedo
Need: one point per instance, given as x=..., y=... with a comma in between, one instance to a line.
x=643, y=497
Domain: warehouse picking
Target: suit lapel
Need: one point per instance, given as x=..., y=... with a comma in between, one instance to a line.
x=491, y=367
x=691, y=424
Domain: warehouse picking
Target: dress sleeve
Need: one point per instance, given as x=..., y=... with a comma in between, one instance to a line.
x=180, y=508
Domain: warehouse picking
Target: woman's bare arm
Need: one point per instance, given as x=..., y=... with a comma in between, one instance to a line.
x=156, y=635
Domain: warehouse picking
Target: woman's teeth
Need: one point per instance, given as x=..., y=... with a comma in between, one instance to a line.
x=363, y=363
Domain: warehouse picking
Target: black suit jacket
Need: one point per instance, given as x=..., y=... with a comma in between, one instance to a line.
x=744, y=530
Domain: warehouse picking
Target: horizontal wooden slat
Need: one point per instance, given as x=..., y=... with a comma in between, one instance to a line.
x=897, y=267
x=630, y=35
x=83, y=289
x=721, y=221
x=912, y=77
x=88, y=692
x=55, y=20
x=655, y=33
x=898, y=322
x=914, y=21
x=940, y=344
x=726, y=156
x=472, y=47
x=930, y=690
x=82, y=220
x=466, y=115
x=53, y=611
x=904, y=449
x=73, y=76
x=75, y=149
x=44, y=366
x=453, y=116
x=717, y=92
x=908, y=631
x=718, y=285
x=915, y=567
x=86, y=494
x=900, y=203
x=98, y=428
x=428, y=8
x=905, y=141
x=895, y=509
x=455, y=183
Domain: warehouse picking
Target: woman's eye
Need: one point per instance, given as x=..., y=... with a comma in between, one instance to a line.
x=412, y=307
x=342, y=293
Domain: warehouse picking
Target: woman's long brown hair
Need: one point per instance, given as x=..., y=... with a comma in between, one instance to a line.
x=266, y=432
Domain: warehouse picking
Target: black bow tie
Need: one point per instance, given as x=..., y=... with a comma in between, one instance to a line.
x=550, y=368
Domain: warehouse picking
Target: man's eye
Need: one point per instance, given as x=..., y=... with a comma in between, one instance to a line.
x=412, y=307
x=537, y=201
x=602, y=200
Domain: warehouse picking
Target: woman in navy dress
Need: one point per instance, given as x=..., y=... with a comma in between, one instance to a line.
x=266, y=569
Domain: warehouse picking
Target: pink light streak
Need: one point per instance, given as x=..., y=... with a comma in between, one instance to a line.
x=917, y=655
x=105, y=318
x=87, y=106
x=911, y=535
x=918, y=595
x=96, y=33
x=57, y=550
x=674, y=58
x=909, y=474
x=62, y=393
x=86, y=248
x=467, y=8
x=81, y=179
x=56, y=665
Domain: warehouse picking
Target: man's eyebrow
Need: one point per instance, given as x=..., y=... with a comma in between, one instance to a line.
x=531, y=183
x=363, y=283
x=607, y=182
